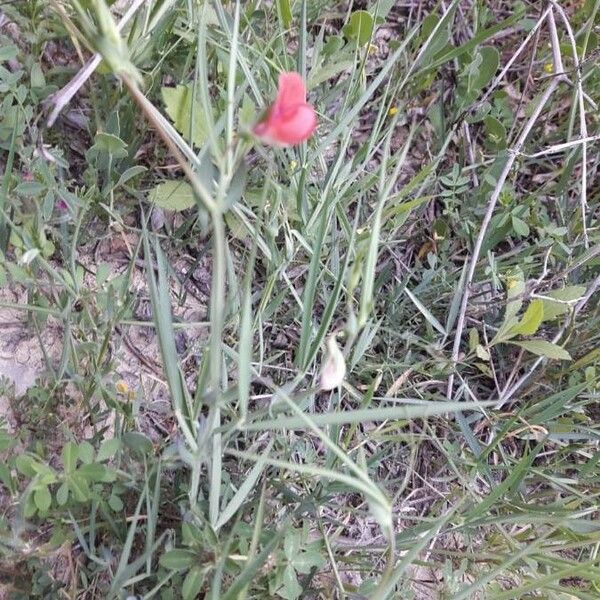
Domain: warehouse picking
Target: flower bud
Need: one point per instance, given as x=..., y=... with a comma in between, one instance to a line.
x=290, y=120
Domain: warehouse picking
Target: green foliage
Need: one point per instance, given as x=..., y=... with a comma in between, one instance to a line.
x=176, y=439
x=360, y=27
x=544, y=348
x=285, y=11
x=172, y=195
x=80, y=480
x=186, y=112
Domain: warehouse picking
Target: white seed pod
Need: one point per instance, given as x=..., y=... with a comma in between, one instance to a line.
x=334, y=366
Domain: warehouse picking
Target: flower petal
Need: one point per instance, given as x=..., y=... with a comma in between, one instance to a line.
x=296, y=125
x=291, y=91
x=290, y=120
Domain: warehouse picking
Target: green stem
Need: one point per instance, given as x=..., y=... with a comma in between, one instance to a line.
x=217, y=309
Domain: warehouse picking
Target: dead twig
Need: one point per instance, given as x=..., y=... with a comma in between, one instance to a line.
x=557, y=148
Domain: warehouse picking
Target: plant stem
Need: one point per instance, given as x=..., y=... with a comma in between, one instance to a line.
x=510, y=159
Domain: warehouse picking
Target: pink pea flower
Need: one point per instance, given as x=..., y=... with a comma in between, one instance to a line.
x=290, y=120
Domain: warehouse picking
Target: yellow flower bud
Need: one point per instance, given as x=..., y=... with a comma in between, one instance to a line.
x=122, y=387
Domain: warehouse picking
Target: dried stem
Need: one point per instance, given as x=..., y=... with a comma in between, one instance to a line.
x=583, y=132
x=556, y=148
x=510, y=159
x=514, y=57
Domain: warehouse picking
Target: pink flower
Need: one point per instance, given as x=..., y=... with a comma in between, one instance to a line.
x=290, y=120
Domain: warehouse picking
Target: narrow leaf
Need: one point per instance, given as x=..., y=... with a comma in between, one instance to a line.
x=243, y=491
x=531, y=320
x=425, y=312
x=544, y=348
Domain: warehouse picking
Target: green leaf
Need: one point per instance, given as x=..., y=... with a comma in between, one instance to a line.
x=182, y=109
x=80, y=488
x=400, y=211
x=496, y=131
x=521, y=228
x=360, y=27
x=285, y=11
x=69, y=455
x=115, y=503
x=42, y=499
x=291, y=544
x=333, y=45
x=329, y=70
x=382, y=511
x=191, y=534
x=531, y=320
x=304, y=562
x=247, y=112
x=107, y=39
x=383, y=7
x=173, y=195
x=62, y=495
x=192, y=584
x=111, y=144
x=7, y=479
x=24, y=464
x=515, y=288
x=482, y=353
x=108, y=449
x=253, y=566
x=236, y=187
x=438, y=41
x=37, y=76
x=86, y=453
x=291, y=589
x=178, y=559
x=6, y=440
x=137, y=442
x=362, y=415
x=514, y=477
x=473, y=339
x=586, y=359
x=130, y=174
x=425, y=312
x=569, y=294
x=486, y=69
x=30, y=188
x=44, y=471
x=544, y=348
x=161, y=312
x=243, y=491
x=97, y=473
x=235, y=226
x=480, y=36
x=30, y=507
x=544, y=411
x=7, y=52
